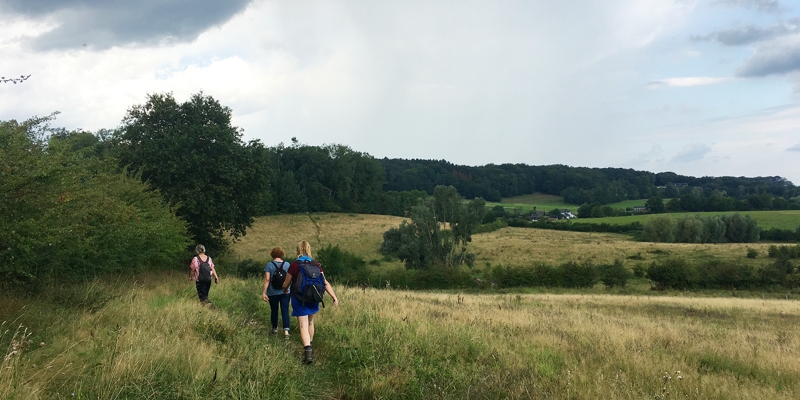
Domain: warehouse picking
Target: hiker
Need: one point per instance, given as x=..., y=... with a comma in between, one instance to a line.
x=202, y=271
x=273, y=290
x=300, y=273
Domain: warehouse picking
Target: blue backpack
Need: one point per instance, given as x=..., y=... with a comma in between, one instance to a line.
x=309, y=286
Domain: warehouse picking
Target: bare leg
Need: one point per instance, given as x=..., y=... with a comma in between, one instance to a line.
x=303, y=324
x=310, y=329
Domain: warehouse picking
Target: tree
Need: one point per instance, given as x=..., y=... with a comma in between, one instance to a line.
x=193, y=155
x=438, y=233
x=70, y=215
x=655, y=205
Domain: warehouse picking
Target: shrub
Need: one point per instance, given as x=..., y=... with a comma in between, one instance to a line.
x=660, y=228
x=614, y=274
x=752, y=253
x=673, y=273
x=639, y=270
x=726, y=275
x=575, y=275
x=249, y=268
x=340, y=265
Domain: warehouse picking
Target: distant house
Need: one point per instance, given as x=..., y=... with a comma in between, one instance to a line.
x=639, y=209
x=567, y=214
x=680, y=185
x=537, y=215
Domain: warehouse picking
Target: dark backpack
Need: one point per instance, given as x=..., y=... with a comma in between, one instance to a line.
x=309, y=286
x=279, y=276
x=204, y=270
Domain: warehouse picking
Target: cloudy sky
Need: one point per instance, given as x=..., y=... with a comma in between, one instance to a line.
x=703, y=88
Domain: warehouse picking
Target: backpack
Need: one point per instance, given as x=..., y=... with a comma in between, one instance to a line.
x=204, y=270
x=309, y=286
x=279, y=276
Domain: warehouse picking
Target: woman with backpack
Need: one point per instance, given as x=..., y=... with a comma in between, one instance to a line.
x=308, y=285
x=202, y=271
x=274, y=276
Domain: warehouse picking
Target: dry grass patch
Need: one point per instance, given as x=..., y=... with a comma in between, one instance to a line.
x=358, y=233
x=520, y=246
x=572, y=346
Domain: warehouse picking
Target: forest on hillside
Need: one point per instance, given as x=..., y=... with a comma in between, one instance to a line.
x=176, y=173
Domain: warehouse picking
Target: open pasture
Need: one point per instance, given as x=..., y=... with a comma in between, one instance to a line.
x=362, y=234
x=547, y=202
x=149, y=338
x=358, y=233
x=521, y=246
x=786, y=219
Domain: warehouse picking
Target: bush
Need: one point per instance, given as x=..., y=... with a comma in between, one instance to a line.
x=639, y=270
x=752, y=253
x=249, y=268
x=726, y=275
x=614, y=274
x=341, y=265
x=673, y=273
x=575, y=275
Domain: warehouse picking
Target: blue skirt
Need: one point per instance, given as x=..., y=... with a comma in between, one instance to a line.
x=300, y=309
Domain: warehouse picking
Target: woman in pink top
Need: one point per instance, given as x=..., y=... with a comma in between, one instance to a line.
x=203, y=283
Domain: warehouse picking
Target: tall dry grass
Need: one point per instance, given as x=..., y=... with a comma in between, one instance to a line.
x=426, y=345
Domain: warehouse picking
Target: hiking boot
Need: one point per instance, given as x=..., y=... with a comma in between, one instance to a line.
x=286, y=334
x=274, y=331
x=308, y=355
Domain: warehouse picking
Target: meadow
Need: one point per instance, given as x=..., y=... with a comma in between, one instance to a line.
x=146, y=336
x=788, y=219
x=547, y=202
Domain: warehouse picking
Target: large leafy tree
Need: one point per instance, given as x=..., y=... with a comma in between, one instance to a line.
x=67, y=214
x=441, y=226
x=193, y=155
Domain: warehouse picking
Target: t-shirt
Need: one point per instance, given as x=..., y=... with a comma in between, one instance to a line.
x=271, y=291
x=294, y=269
x=195, y=266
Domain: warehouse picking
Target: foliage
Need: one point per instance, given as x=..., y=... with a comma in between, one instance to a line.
x=70, y=215
x=791, y=252
x=615, y=274
x=340, y=265
x=193, y=155
x=331, y=178
x=426, y=242
x=731, y=228
x=673, y=273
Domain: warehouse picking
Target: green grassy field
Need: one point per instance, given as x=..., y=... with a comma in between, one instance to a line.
x=546, y=202
x=766, y=219
x=148, y=337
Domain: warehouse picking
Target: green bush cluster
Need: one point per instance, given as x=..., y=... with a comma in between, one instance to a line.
x=732, y=228
x=791, y=252
x=68, y=214
x=340, y=265
x=677, y=273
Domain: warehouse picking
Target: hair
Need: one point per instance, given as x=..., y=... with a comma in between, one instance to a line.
x=200, y=249
x=304, y=249
x=277, y=252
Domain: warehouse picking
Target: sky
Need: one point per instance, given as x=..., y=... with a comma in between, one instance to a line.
x=700, y=88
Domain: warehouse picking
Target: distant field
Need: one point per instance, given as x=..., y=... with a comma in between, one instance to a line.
x=358, y=233
x=546, y=202
x=766, y=219
x=538, y=201
x=363, y=235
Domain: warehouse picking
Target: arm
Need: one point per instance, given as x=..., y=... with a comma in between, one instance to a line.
x=329, y=289
x=193, y=269
x=213, y=271
x=287, y=282
x=266, y=282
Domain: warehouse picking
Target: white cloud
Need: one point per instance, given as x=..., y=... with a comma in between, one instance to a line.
x=794, y=148
x=688, y=82
x=692, y=152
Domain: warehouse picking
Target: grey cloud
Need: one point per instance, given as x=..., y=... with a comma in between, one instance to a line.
x=760, y=5
x=750, y=34
x=100, y=24
x=692, y=152
x=794, y=148
x=774, y=58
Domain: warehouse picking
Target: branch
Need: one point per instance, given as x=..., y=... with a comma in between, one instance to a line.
x=21, y=79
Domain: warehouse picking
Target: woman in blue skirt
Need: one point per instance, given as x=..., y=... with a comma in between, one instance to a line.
x=304, y=311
